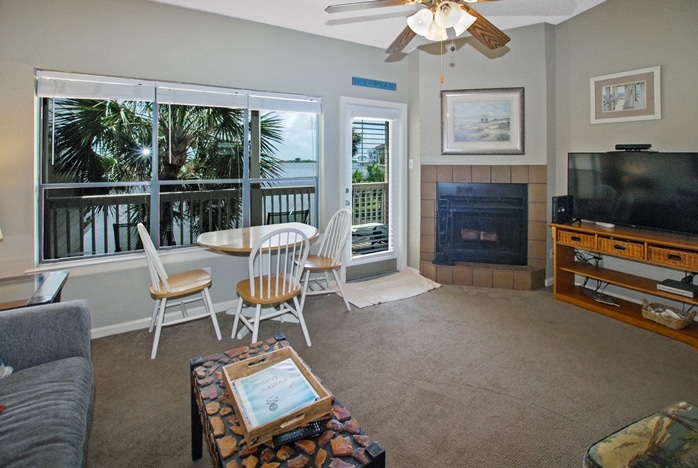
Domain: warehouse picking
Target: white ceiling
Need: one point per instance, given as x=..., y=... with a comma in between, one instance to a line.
x=378, y=27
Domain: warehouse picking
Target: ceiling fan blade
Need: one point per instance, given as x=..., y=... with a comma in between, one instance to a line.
x=363, y=5
x=487, y=33
x=401, y=41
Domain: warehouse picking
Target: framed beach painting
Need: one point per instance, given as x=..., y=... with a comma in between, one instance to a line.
x=626, y=96
x=482, y=121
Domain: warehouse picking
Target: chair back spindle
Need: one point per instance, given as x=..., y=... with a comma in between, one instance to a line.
x=328, y=259
x=273, y=263
x=336, y=235
x=158, y=274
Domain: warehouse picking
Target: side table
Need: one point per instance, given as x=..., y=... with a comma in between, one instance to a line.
x=343, y=444
x=31, y=289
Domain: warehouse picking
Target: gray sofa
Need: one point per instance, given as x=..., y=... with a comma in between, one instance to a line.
x=48, y=398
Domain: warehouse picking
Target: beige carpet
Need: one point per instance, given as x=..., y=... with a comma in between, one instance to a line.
x=401, y=285
x=458, y=377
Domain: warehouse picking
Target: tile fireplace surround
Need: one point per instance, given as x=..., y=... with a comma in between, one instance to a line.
x=529, y=277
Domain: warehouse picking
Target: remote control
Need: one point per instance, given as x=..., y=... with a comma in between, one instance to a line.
x=314, y=428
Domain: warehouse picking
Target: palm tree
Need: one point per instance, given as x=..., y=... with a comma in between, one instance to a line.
x=110, y=141
x=356, y=138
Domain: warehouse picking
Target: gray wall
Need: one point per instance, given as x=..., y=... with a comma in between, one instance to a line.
x=617, y=36
x=554, y=64
x=623, y=35
x=524, y=62
x=141, y=39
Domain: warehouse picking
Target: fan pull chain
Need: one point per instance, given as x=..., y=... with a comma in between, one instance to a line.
x=441, y=57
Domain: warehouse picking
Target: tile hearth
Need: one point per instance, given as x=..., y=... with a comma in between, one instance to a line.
x=529, y=277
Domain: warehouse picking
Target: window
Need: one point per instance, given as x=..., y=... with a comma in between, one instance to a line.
x=182, y=159
x=370, y=186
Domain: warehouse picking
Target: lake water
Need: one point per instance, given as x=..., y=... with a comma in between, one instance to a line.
x=308, y=169
x=301, y=169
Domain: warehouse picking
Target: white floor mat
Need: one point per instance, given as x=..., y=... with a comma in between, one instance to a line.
x=393, y=287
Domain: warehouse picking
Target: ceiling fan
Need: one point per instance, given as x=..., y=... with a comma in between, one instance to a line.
x=433, y=20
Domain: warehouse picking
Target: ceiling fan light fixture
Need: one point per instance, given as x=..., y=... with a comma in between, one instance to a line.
x=436, y=33
x=466, y=20
x=447, y=14
x=421, y=21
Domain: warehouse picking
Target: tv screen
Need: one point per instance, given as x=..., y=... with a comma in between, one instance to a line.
x=636, y=188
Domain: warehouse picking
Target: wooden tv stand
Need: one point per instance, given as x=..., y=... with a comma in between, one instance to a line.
x=675, y=251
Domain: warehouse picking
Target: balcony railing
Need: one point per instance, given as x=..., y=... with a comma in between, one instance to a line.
x=370, y=202
x=98, y=225
x=94, y=225
x=370, y=217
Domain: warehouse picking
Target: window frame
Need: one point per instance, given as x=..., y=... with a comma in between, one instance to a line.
x=54, y=85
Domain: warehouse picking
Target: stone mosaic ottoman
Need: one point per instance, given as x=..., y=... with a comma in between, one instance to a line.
x=667, y=438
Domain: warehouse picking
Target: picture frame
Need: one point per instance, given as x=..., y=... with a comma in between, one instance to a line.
x=482, y=121
x=626, y=96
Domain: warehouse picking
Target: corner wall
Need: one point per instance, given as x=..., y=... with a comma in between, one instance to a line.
x=524, y=62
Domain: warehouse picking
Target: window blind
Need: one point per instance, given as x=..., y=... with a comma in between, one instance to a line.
x=71, y=85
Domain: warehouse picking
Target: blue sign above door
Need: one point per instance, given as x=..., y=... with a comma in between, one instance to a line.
x=356, y=81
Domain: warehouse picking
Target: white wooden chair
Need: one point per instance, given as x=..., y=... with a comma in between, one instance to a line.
x=328, y=259
x=181, y=287
x=275, y=267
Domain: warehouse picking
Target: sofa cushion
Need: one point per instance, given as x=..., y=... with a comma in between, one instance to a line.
x=48, y=413
x=34, y=335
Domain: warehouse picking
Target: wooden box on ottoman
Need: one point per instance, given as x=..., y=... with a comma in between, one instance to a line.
x=263, y=432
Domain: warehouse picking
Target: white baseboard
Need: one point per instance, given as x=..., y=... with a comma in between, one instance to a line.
x=145, y=322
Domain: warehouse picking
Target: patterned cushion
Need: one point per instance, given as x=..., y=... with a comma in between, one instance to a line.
x=666, y=438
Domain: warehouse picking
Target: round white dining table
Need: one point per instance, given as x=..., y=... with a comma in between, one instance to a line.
x=243, y=240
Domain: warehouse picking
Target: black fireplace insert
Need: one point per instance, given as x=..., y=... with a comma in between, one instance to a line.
x=481, y=223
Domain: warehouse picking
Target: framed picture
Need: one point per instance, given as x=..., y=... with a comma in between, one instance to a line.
x=482, y=121
x=626, y=96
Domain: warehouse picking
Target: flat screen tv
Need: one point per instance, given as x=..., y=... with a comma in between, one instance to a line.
x=643, y=189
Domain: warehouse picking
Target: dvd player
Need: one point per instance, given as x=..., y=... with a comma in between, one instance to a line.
x=678, y=287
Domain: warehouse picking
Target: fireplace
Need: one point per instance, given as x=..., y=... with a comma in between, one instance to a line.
x=527, y=276
x=481, y=223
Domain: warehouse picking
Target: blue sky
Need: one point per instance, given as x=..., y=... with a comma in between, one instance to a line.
x=299, y=135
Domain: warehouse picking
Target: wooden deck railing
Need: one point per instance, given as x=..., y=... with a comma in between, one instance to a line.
x=369, y=224
x=97, y=225
x=370, y=202
x=80, y=226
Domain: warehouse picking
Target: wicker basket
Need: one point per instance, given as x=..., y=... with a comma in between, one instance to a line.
x=649, y=312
